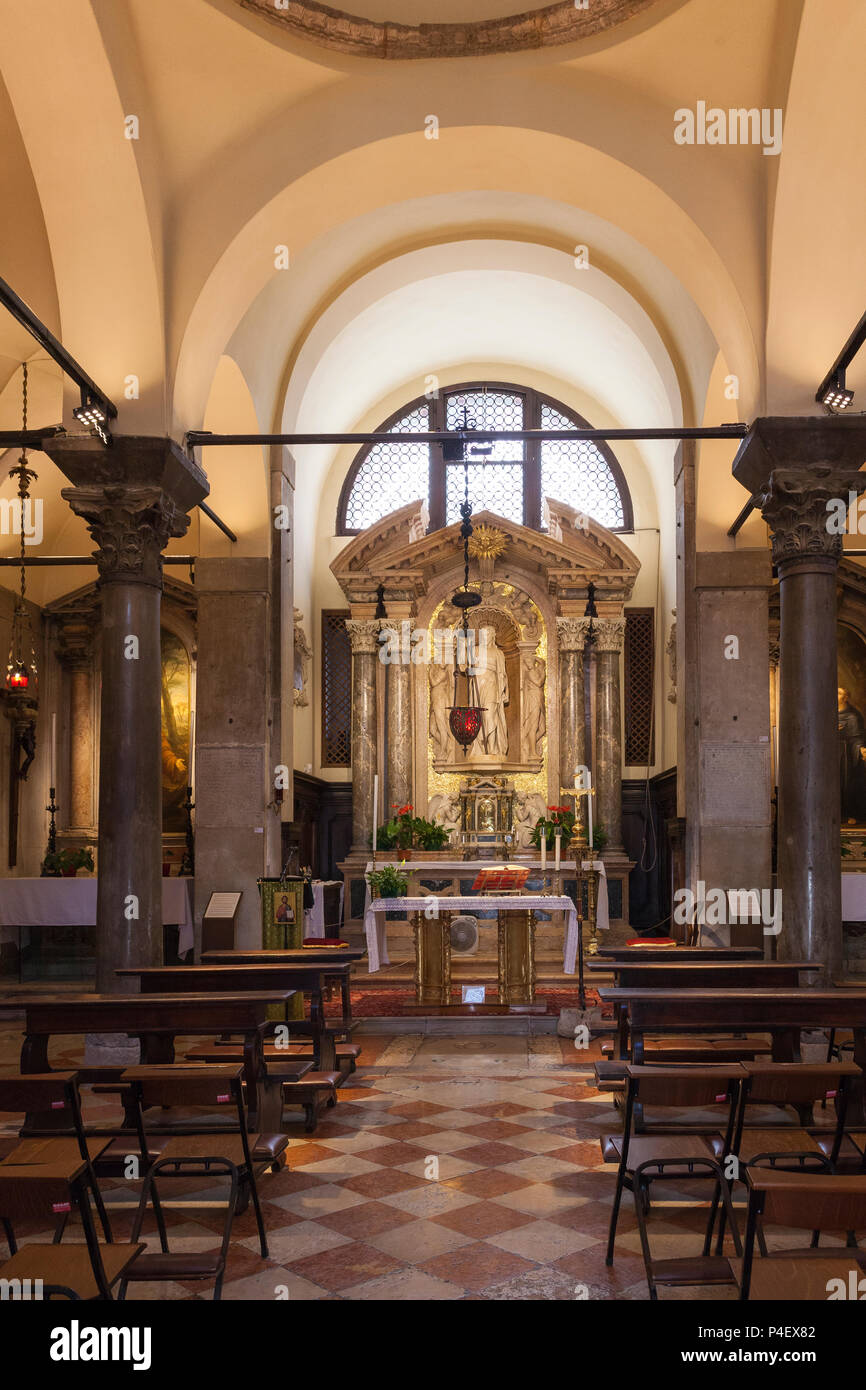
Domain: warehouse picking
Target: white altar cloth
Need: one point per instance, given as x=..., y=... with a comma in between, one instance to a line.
x=314, y=917
x=853, y=897
x=374, y=917
x=71, y=902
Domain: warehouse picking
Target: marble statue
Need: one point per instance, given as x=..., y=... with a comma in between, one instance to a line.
x=533, y=717
x=441, y=693
x=492, y=679
x=528, y=806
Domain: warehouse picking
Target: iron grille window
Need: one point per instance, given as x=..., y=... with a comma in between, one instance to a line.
x=336, y=690
x=512, y=480
x=639, y=661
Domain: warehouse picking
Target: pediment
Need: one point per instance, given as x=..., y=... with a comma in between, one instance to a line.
x=400, y=553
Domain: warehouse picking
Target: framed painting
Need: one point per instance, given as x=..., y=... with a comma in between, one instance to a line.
x=283, y=929
x=851, y=694
x=176, y=687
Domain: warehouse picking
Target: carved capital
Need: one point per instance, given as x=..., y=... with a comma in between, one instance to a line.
x=572, y=633
x=75, y=638
x=794, y=505
x=131, y=527
x=609, y=634
x=364, y=635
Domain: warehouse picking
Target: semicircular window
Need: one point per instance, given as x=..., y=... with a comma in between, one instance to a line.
x=512, y=478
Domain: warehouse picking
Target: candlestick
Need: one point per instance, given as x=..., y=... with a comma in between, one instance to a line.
x=375, y=806
x=53, y=754
x=190, y=778
x=543, y=850
x=557, y=835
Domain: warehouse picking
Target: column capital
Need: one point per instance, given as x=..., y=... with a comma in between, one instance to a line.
x=364, y=634
x=75, y=643
x=609, y=634
x=572, y=633
x=131, y=527
x=796, y=504
x=134, y=496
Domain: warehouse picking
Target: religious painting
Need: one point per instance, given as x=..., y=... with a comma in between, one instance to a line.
x=176, y=693
x=283, y=929
x=852, y=726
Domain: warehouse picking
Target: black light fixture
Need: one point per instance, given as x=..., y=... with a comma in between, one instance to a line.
x=465, y=720
x=590, y=611
x=92, y=414
x=836, y=393
x=381, y=610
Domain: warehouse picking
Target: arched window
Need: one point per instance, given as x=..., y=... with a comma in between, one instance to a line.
x=512, y=480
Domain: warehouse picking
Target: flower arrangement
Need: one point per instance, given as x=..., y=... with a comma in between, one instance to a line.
x=564, y=816
x=67, y=862
x=387, y=882
x=407, y=831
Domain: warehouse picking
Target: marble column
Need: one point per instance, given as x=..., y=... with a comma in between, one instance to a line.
x=609, y=634
x=75, y=651
x=801, y=472
x=806, y=556
x=364, y=637
x=399, y=747
x=134, y=496
x=571, y=635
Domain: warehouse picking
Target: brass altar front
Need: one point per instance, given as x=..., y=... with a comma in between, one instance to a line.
x=516, y=956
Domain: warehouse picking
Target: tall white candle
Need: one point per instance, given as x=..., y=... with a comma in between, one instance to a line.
x=543, y=851
x=589, y=814
x=191, y=762
x=375, y=806
x=52, y=764
x=558, y=842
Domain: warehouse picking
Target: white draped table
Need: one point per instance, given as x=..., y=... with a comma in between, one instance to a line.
x=374, y=918
x=71, y=902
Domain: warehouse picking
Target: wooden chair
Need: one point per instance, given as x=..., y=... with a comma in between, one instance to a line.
x=823, y=1203
x=679, y=1149
x=798, y=1086
x=211, y=1126
x=54, y=1097
x=42, y=1192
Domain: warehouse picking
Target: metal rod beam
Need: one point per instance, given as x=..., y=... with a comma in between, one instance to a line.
x=845, y=358
x=203, y=507
x=743, y=516
x=202, y=439
x=36, y=561
x=67, y=363
x=28, y=439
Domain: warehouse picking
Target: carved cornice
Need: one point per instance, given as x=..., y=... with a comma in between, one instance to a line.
x=609, y=634
x=368, y=38
x=794, y=506
x=131, y=527
x=572, y=633
x=364, y=635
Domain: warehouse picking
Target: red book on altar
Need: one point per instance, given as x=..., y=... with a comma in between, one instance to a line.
x=503, y=877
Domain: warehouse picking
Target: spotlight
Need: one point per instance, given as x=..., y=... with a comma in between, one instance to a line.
x=836, y=393
x=91, y=414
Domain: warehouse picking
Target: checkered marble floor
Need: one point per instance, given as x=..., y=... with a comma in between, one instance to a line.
x=451, y=1168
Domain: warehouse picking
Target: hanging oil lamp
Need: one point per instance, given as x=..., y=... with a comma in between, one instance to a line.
x=465, y=719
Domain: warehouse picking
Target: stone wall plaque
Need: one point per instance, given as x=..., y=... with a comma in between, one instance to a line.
x=735, y=784
x=230, y=787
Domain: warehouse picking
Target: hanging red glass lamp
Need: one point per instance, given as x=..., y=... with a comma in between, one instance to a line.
x=465, y=720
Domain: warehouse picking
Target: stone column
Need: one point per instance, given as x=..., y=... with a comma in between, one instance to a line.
x=399, y=746
x=609, y=634
x=802, y=473
x=364, y=637
x=571, y=635
x=806, y=556
x=134, y=496
x=75, y=651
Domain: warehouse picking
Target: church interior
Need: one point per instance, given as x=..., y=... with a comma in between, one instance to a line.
x=433, y=773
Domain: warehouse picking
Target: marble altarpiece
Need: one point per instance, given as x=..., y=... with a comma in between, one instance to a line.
x=548, y=698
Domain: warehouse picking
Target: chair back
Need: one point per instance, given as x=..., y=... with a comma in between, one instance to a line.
x=38, y=1091
x=819, y=1203
x=33, y=1192
x=685, y=1087
x=795, y=1083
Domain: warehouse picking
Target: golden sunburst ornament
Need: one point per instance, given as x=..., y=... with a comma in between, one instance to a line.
x=486, y=543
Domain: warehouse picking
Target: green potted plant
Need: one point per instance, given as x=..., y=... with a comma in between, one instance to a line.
x=65, y=863
x=546, y=825
x=387, y=882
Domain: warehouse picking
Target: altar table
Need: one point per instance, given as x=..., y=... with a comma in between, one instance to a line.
x=71, y=902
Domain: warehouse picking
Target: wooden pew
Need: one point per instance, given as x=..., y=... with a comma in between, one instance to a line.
x=156, y=1019
x=782, y=1013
